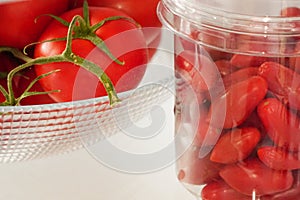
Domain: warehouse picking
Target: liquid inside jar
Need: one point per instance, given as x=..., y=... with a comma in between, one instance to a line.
x=238, y=120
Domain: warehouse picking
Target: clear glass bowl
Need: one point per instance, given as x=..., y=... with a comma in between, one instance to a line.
x=32, y=132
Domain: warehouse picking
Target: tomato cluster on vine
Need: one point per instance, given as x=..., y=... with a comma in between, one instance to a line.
x=93, y=49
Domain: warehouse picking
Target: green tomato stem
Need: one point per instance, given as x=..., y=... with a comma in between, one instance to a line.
x=90, y=66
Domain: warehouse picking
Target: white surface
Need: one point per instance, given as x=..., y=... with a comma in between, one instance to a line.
x=78, y=176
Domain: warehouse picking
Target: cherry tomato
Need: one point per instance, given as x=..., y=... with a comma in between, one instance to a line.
x=278, y=158
x=122, y=38
x=218, y=190
x=235, y=145
x=18, y=20
x=198, y=70
x=238, y=102
x=281, y=124
x=291, y=194
x=290, y=12
x=239, y=75
x=243, y=61
x=283, y=82
x=195, y=170
x=252, y=176
x=224, y=67
x=206, y=134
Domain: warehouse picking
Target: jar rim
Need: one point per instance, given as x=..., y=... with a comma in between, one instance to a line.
x=201, y=14
x=218, y=29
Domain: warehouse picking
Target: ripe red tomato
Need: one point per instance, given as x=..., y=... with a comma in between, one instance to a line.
x=283, y=82
x=144, y=12
x=252, y=175
x=224, y=67
x=238, y=102
x=291, y=194
x=122, y=38
x=218, y=190
x=199, y=70
x=17, y=20
x=195, y=170
x=3, y=83
x=236, y=145
x=7, y=63
x=239, y=75
x=281, y=124
x=242, y=61
x=278, y=158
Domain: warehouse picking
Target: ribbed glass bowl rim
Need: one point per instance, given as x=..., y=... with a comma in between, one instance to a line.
x=62, y=105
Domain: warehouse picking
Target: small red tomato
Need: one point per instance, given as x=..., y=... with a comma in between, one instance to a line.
x=219, y=190
x=238, y=102
x=281, y=124
x=283, y=82
x=235, y=145
x=195, y=170
x=224, y=67
x=252, y=176
x=291, y=194
x=243, y=61
x=278, y=158
x=239, y=75
x=290, y=12
x=198, y=70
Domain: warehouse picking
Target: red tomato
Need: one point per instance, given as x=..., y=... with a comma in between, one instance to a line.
x=3, y=83
x=124, y=41
x=239, y=75
x=291, y=194
x=26, y=78
x=198, y=70
x=238, y=102
x=235, y=145
x=219, y=190
x=7, y=63
x=277, y=158
x=144, y=12
x=290, y=12
x=242, y=61
x=17, y=20
x=281, y=124
x=283, y=82
x=195, y=170
x=224, y=67
x=253, y=176
x=206, y=134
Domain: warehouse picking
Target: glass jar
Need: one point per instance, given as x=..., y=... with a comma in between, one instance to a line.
x=237, y=109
